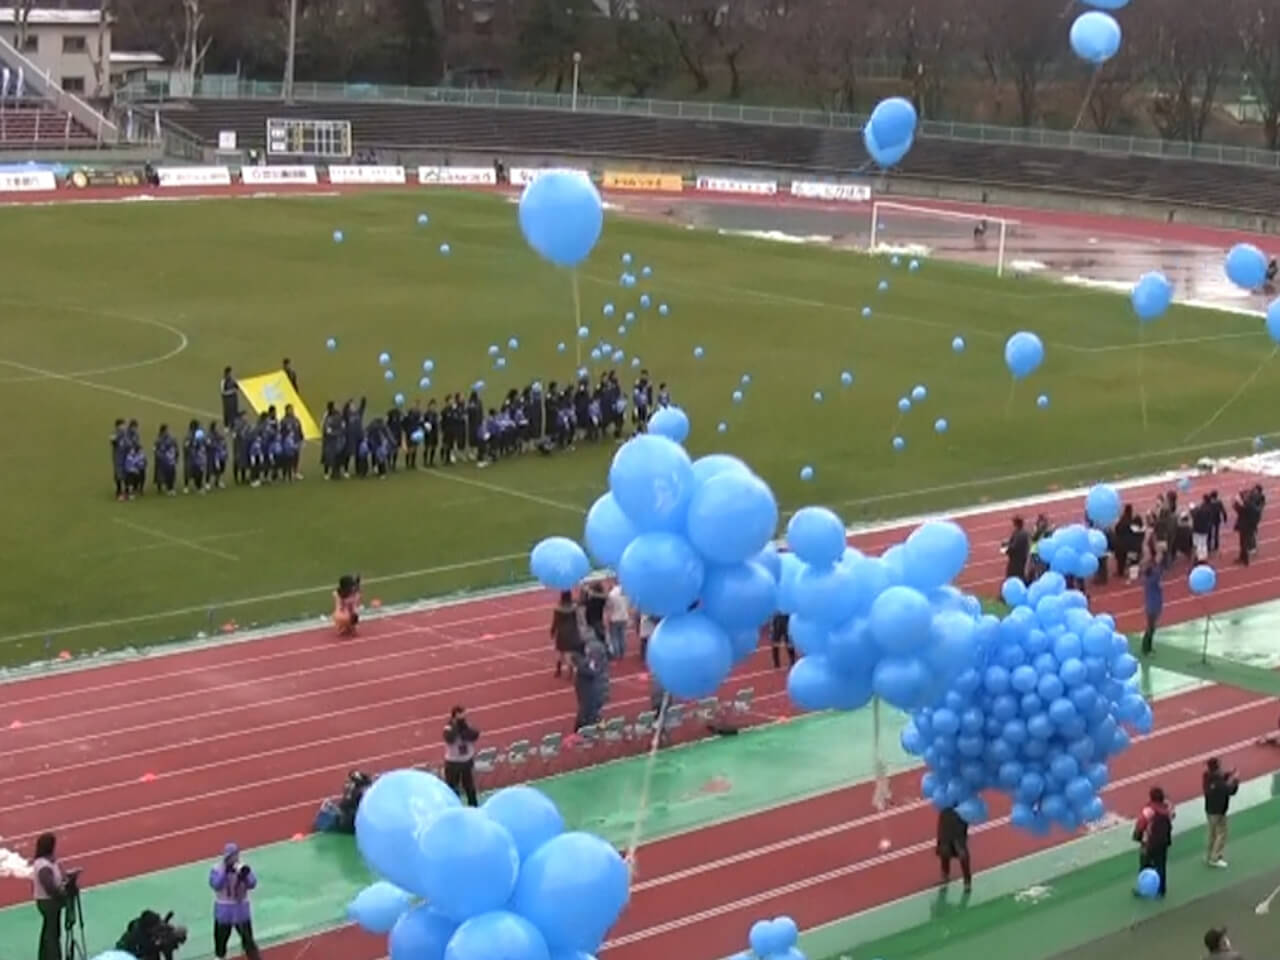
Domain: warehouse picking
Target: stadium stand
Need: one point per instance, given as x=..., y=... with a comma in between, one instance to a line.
x=403, y=126
x=32, y=123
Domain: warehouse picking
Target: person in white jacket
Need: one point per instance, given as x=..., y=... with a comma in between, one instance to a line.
x=617, y=614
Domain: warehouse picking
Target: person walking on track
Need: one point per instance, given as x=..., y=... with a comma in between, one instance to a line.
x=1219, y=787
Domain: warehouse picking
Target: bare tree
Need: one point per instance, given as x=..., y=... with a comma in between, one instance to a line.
x=819, y=45
x=1260, y=30
x=191, y=45
x=928, y=35
x=1192, y=46
x=1022, y=38
x=1108, y=90
x=22, y=16
x=99, y=52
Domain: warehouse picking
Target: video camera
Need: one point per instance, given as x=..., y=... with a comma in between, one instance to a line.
x=152, y=937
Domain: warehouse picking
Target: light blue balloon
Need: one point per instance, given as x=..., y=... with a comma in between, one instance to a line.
x=713, y=464
x=513, y=344
x=608, y=531
x=1023, y=354
x=722, y=427
x=1273, y=321
x=646, y=271
x=1042, y=401
x=445, y=249
x=895, y=260
x=698, y=353
x=890, y=130
x=561, y=217
x=904, y=404
x=469, y=863
x=645, y=301
x=1107, y=4
x=499, y=935
x=940, y=425
x=866, y=311
x=558, y=563
x=663, y=310
x=1151, y=296
x=630, y=316
x=1148, y=885
x=428, y=366
x=661, y=573
x=421, y=934
x=338, y=236
x=423, y=219
x=826, y=595
x=1095, y=37
x=618, y=356
x=399, y=807
x=882, y=286
x=740, y=597
x=900, y=621
x=331, y=343
x=115, y=955
x=626, y=259
x=1013, y=592
x=732, y=516
x=814, y=684
x=399, y=399
x=806, y=473
x=596, y=354
x=737, y=396
x=1202, y=579
x=771, y=560
x=817, y=536
x=1246, y=266
x=903, y=682
x=670, y=422
x=817, y=396
x=493, y=350
x=957, y=345
x=1102, y=505
x=918, y=393
x=913, y=266
x=935, y=553
x=384, y=358
x=529, y=815
x=573, y=889
x=583, y=333
x=424, y=383
x=690, y=654
x=608, y=310
x=899, y=444
x=376, y=908
x=389, y=375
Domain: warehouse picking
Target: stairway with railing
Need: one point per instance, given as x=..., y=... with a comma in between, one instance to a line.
x=49, y=117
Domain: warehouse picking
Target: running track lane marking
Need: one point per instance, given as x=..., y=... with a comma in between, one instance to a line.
x=863, y=865
x=175, y=541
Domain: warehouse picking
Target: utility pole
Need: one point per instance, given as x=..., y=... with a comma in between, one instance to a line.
x=287, y=86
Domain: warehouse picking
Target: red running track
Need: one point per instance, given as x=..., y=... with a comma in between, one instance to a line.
x=247, y=738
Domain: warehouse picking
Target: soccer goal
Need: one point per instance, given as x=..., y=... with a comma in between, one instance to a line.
x=923, y=231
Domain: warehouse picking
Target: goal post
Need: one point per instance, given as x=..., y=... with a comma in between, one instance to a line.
x=908, y=227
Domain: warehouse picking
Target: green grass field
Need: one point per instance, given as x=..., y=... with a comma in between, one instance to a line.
x=132, y=310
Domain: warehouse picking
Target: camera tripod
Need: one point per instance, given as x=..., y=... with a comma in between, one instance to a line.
x=73, y=924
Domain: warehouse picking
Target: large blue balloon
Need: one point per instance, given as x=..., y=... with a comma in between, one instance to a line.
x=1202, y=579
x=1095, y=37
x=559, y=563
x=398, y=807
x=1151, y=296
x=1102, y=505
x=741, y=597
x=1023, y=354
x=935, y=554
x=1246, y=266
x=903, y=682
x=817, y=536
x=661, y=573
x=884, y=156
x=608, y=531
x=377, y=907
x=704, y=468
x=826, y=595
x=890, y=131
x=469, y=863
x=690, y=654
x=528, y=814
x=670, y=422
x=732, y=517
x=814, y=684
x=561, y=216
x=901, y=619
x=651, y=477
x=499, y=935
x=851, y=649
x=421, y=934
x=1107, y=4
x=573, y=889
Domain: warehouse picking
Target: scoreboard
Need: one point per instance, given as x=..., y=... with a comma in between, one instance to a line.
x=297, y=137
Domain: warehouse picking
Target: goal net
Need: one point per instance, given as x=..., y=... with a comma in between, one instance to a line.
x=923, y=231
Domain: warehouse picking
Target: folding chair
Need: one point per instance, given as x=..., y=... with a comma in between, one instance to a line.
x=549, y=748
x=612, y=733
x=518, y=755
x=675, y=717
x=642, y=728
x=743, y=699
x=707, y=709
x=486, y=760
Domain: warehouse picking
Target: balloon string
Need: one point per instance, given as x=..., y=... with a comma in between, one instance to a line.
x=1008, y=404
x=1142, y=380
x=880, y=799
x=1235, y=396
x=577, y=317
x=634, y=842
x=1088, y=95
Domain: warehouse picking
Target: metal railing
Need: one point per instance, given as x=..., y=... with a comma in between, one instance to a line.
x=103, y=130
x=232, y=88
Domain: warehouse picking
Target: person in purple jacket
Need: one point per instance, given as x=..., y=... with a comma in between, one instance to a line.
x=231, y=881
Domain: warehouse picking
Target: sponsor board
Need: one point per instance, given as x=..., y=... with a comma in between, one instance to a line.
x=457, y=176
x=89, y=177
x=761, y=188
x=523, y=176
x=343, y=173
x=227, y=140
x=642, y=180
x=27, y=181
x=816, y=190
x=194, y=176
x=279, y=174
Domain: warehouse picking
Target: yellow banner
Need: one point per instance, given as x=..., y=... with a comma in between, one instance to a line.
x=639, y=180
x=275, y=390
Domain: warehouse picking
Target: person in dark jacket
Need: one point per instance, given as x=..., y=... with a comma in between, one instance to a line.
x=1017, y=551
x=1216, y=942
x=1153, y=832
x=780, y=639
x=1152, y=597
x=1219, y=787
x=590, y=682
x=953, y=844
x=460, y=755
x=565, y=633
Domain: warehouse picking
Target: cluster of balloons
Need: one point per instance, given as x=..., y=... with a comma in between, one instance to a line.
x=504, y=880
x=774, y=939
x=890, y=131
x=1073, y=551
x=1045, y=705
x=691, y=543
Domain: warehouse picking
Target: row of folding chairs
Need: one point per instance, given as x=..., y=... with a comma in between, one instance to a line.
x=609, y=737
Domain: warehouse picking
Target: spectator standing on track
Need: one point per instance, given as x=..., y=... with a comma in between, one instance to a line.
x=1152, y=598
x=594, y=598
x=460, y=755
x=231, y=882
x=779, y=638
x=50, y=896
x=1017, y=551
x=1248, y=509
x=590, y=682
x=229, y=391
x=617, y=614
x=565, y=633
x=1218, y=516
x=1219, y=787
x=1154, y=835
x=1202, y=520
x=953, y=843
x=644, y=630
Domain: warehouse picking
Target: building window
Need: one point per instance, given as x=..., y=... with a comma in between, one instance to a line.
x=28, y=44
x=73, y=84
x=74, y=44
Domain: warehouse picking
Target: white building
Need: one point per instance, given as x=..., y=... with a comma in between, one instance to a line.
x=71, y=47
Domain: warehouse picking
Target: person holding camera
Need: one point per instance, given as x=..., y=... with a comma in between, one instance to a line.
x=51, y=893
x=152, y=937
x=460, y=755
x=231, y=881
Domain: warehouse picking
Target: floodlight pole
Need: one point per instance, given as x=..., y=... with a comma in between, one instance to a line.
x=577, y=64
x=287, y=86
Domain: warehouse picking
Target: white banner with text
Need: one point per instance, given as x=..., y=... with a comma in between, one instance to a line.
x=457, y=176
x=523, y=176
x=279, y=174
x=194, y=176
x=761, y=188
x=816, y=190
x=27, y=181
x=342, y=173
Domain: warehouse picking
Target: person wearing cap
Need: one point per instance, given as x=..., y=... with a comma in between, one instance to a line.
x=1219, y=787
x=231, y=881
x=1219, y=947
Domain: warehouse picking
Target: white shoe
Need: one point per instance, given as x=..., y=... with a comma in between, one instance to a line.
x=1218, y=864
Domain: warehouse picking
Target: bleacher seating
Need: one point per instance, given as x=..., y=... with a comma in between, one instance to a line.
x=27, y=124
x=407, y=126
